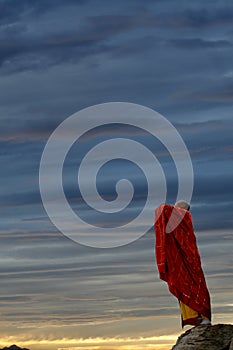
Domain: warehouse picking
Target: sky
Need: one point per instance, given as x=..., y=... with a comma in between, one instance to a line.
x=57, y=58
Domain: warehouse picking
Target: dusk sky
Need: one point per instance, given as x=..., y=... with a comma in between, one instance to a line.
x=58, y=57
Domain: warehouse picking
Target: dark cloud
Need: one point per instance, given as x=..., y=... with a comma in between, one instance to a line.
x=195, y=15
x=222, y=95
x=23, y=48
x=12, y=11
x=204, y=140
x=14, y=299
x=204, y=17
x=20, y=199
x=197, y=43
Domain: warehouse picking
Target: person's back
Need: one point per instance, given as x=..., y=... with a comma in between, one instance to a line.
x=179, y=262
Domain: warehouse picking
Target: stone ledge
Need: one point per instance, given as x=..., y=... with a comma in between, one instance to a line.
x=206, y=337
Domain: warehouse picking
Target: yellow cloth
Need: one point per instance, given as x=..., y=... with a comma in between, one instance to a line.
x=190, y=316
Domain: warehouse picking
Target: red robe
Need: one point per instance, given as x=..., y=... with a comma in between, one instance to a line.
x=178, y=259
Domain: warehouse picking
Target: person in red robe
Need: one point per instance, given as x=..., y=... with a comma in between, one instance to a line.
x=179, y=262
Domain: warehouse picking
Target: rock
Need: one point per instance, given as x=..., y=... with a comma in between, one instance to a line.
x=206, y=337
x=14, y=347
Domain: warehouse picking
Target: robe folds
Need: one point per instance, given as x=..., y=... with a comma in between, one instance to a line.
x=178, y=258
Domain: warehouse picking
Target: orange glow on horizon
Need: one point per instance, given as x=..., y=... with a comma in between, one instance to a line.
x=158, y=343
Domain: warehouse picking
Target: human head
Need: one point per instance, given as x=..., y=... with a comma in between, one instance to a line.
x=182, y=204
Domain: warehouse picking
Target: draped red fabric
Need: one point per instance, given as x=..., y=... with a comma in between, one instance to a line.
x=178, y=258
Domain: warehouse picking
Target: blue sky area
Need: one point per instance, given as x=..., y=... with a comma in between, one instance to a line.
x=56, y=58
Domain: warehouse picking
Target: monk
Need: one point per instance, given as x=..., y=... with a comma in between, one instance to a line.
x=179, y=262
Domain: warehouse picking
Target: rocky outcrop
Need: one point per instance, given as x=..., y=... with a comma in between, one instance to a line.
x=206, y=337
x=14, y=347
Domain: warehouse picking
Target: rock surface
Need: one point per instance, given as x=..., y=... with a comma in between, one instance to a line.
x=206, y=337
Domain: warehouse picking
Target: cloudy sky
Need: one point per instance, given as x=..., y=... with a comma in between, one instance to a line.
x=56, y=58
